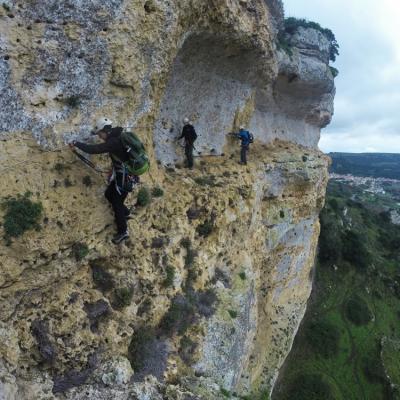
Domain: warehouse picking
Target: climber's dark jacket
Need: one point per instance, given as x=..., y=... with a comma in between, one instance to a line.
x=112, y=145
x=189, y=133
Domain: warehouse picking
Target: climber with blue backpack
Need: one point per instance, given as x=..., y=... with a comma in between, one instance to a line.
x=129, y=160
x=246, y=139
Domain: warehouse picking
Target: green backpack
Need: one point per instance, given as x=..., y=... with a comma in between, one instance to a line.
x=138, y=162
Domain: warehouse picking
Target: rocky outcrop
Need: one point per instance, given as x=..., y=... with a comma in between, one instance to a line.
x=206, y=296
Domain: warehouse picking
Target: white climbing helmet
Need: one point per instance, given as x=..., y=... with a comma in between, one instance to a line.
x=241, y=127
x=101, y=123
x=185, y=120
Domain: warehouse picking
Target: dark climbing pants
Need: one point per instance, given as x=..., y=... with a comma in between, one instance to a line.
x=189, y=155
x=117, y=203
x=243, y=154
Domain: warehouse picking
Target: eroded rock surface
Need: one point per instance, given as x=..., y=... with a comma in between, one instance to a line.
x=214, y=281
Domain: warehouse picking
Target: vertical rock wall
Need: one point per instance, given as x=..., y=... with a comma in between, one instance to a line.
x=240, y=240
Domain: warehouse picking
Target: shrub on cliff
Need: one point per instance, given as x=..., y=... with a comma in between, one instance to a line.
x=357, y=311
x=355, y=251
x=292, y=24
x=122, y=297
x=143, y=197
x=323, y=337
x=21, y=215
x=308, y=387
x=330, y=242
x=141, y=346
x=80, y=251
x=102, y=279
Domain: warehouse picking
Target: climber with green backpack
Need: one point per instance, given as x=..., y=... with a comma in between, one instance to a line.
x=129, y=160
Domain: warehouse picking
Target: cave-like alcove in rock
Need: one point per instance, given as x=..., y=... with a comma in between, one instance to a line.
x=211, y=79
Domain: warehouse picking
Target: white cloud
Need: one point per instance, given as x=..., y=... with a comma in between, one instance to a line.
x=362, y=142
x=367, y=106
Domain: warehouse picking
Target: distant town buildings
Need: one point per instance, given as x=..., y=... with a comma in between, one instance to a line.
x=368, y=184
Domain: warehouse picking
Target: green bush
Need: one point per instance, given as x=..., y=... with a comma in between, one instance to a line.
x=122, y=297
x=357, y=311
x=334, y=71
x=225, y=393
x=292, y=24
x=355, y=251
x=68, y=182
x=191, y=254
x=190, y=257
x=186, y=243
x=187, y=349
x=72, y=101
x=333, y=203
x=308, y=387
x=206, y=181
x=87, y=181
x=59, y=167
x=242, y=276
x=323, y=338
x=143, y=197
x=101, y=278
x=373, y=369
x=170, y=276
x=21, y=215
x=283, y=44
x=157, y=192
x=205, y=229
x=330, y=241
x=141, y=347
x=233, y=314
x=179, y=317
x=80, y=251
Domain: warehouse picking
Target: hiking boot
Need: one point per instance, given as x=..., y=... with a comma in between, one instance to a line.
x=120, y=237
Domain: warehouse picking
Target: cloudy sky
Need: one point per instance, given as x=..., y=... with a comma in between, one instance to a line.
x=367, y=105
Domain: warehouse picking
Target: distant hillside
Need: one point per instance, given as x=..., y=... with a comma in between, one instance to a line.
x=367, y=164
x=348, y=343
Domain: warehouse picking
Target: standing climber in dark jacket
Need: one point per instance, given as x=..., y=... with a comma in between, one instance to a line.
x=190, y=136
x=120, y=183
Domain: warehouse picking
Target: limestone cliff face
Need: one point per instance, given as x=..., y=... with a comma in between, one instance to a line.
x=240, y=240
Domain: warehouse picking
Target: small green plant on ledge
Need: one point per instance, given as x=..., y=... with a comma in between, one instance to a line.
x=205, y=229
x=144, y=197
x=292, y=24
x=157, y=192
x=233, y=314
x=80, y=251
x=206, y=181
x=283, y=44
x=87, y=181
x=170, y=276
x=225, y=393
x=334, y=71
x=60, y=167
x=122, y=297
x=73, y=101
x=21, y=215
x=102, y=279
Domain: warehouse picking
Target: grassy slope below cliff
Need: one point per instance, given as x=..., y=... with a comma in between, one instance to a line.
x=347, y=343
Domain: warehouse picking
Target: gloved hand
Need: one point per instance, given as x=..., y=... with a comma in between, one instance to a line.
x=72, y=145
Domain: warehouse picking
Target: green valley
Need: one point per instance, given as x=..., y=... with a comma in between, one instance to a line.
x=348, y=344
